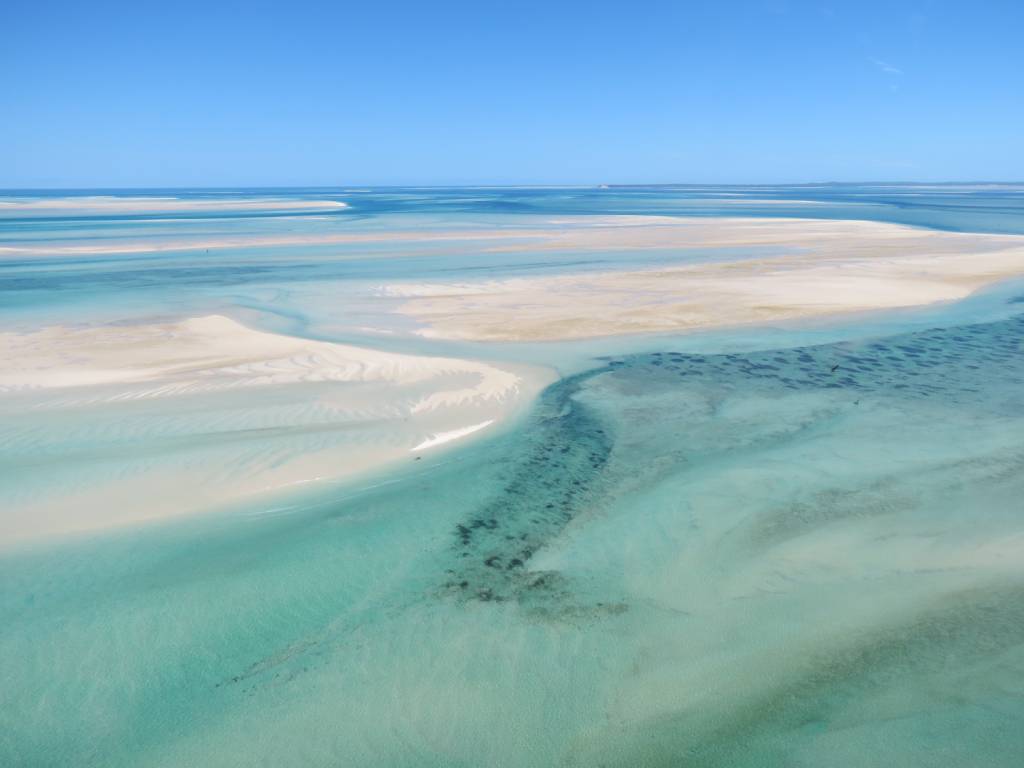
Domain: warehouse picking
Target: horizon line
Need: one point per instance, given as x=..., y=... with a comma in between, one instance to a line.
x=567, y=185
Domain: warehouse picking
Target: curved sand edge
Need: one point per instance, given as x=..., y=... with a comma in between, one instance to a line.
x=151, y=421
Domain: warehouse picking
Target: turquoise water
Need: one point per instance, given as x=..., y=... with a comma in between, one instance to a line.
x=776, y=547
x=281, y=279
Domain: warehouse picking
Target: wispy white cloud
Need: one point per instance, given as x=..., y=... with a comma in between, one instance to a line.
x=886, y=67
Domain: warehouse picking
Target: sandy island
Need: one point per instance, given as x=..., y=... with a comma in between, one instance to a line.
x=150, y=421
x=103, y=204
x=818, y=268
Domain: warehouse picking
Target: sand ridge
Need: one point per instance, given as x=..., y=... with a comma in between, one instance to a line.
x=827, y=268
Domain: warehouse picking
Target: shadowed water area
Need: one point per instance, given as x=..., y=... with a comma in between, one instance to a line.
x=802, y=556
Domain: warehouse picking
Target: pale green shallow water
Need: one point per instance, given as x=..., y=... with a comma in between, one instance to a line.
x=719, y=560
x=691, y=555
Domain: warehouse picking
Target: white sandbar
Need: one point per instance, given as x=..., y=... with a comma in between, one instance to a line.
x=817, y=268
x=101, y=204
x=110, y=425
x=450, y=435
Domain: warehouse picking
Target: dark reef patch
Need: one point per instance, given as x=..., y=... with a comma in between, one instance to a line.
x=565, y=470
x=558, y=478
x=961, y=363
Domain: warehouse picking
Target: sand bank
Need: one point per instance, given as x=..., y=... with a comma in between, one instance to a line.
x=98, y=205
x=209, y=353
x=115, y=424
x=536, y=233
x=825, y=268
x=160, y=245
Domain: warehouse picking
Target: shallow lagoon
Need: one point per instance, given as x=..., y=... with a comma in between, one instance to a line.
x=737, y=549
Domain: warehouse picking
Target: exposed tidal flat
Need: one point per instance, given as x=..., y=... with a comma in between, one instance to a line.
x=788, y=546
x=188, y=415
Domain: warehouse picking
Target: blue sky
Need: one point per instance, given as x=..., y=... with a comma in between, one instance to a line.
x=334, y=93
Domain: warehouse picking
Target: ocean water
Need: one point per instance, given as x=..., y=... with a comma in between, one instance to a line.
x=798, y=546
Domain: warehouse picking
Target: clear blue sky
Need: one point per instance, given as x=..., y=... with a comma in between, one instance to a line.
x=184, y=93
